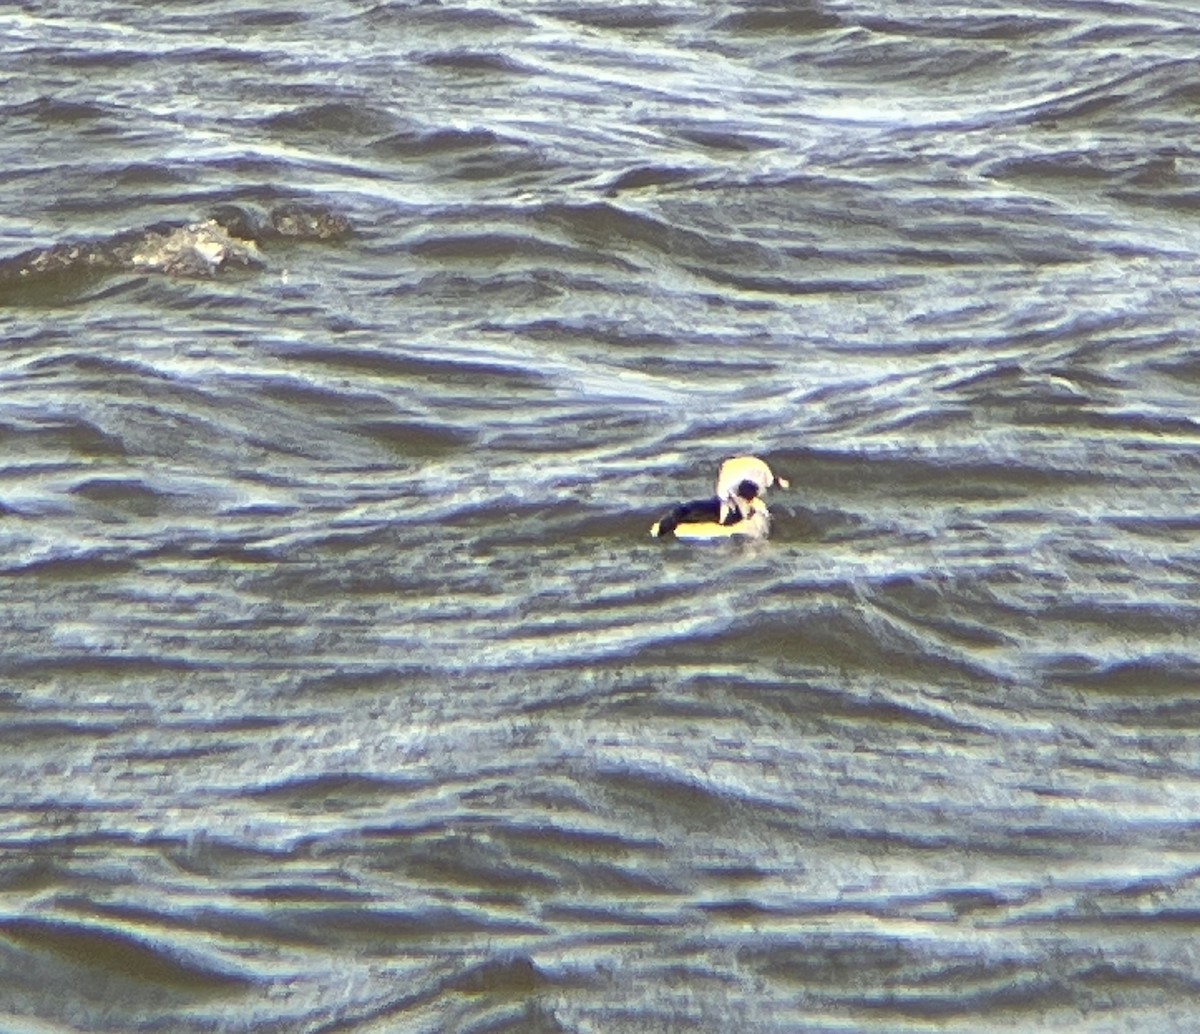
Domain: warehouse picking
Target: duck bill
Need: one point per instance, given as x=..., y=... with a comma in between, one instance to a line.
x=733, y=502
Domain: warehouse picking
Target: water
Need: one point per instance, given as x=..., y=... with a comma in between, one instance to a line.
x=343, y=687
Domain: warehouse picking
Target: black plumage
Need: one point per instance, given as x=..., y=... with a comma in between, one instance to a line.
x=695, y=512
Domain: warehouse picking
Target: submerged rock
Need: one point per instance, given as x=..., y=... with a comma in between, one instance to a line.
x=231, y=237
x=293, y=221
x=198, y=249
x=308, y=223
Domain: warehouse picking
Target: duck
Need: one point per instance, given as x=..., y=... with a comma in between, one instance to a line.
x=736, y=510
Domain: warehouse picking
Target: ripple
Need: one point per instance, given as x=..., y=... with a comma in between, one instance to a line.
x=101, y=952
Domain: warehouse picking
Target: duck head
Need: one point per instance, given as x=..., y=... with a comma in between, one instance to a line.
x=741, y=481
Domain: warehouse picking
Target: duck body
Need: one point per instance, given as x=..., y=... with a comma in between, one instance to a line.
x=736, y=511
x=708, y=519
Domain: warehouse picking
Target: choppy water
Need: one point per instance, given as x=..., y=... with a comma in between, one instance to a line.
x=342, y=688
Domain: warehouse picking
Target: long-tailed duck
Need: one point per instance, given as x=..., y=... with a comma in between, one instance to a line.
x=736, y=510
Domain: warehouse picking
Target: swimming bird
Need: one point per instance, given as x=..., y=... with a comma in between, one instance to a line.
x=737, y=509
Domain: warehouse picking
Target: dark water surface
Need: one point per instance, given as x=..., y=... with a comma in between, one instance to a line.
x=342, y=686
